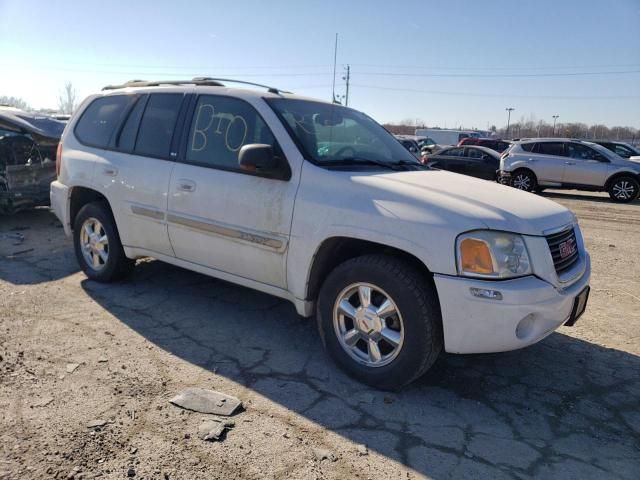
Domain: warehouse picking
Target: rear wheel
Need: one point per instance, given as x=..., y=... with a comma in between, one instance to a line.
x=97, y=244
x=524, y=180
x=379, y=319
x=624, y=189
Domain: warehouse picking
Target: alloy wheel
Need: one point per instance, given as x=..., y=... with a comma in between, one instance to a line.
x=623, y=190
x=94, y=244
x=368, y=324
x=522, y=181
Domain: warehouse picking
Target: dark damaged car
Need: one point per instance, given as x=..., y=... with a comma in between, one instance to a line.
x=28, y=143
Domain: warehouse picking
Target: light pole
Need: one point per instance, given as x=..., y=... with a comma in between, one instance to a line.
x=555, y=117
x=509, y=110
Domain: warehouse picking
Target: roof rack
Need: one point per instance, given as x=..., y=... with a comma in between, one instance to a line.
x=199, y=81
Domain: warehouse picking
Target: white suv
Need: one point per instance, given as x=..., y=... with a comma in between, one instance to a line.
x=318, y=204
x=537, y=163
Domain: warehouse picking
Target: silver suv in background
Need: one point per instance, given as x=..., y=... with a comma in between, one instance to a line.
x=537, y=163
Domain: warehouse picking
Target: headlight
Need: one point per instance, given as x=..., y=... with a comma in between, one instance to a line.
x=489, y=254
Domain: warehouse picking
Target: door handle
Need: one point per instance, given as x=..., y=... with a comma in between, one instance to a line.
x=570, y=163
x=111, y=171
x=186, y=185
x=533, y=159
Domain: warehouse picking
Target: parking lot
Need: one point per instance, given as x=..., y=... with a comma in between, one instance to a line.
x=567, y=407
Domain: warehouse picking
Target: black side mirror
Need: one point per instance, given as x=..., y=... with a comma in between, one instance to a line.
x=260, y=159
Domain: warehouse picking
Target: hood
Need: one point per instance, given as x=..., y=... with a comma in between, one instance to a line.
x=465, y=202
x=18, y=121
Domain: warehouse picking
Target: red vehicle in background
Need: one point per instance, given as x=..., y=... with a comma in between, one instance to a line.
x=493, y=143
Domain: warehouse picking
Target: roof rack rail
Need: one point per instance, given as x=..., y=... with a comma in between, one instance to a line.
x=200, y=81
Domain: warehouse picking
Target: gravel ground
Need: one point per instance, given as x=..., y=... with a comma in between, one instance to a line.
x=73, y=351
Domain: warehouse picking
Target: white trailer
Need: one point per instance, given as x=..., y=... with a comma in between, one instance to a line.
x=445, y=137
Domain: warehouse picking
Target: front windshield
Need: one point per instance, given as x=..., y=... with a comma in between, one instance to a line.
x=332, y=134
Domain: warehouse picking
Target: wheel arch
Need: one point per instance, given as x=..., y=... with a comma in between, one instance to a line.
x=616, y=175
x=336, y=250
x=80, y=196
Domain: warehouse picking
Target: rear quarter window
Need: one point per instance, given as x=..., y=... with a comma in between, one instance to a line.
x=100, y=120
x=527, y=147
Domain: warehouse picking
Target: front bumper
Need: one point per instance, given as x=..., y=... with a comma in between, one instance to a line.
x=59, y=196
x=504, y=178
x=530, y=310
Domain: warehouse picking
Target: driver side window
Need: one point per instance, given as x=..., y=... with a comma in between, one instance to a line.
x=220, y=127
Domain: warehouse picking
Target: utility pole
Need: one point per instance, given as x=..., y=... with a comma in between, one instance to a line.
x=555, y=117
x=347, y=78
x=335, y=58
x=509, y=110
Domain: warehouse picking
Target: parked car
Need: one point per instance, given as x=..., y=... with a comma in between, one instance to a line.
x=410, y=144
x=396, y=261
x=28, y=145
x=443, y=136
x=620, y=148
x=492, y=143
x=565, y=163
x=478, y=162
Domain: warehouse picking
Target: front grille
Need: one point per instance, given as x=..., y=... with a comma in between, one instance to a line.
x=556, y=241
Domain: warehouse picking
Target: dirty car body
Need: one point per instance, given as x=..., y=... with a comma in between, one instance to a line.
x=28, y=145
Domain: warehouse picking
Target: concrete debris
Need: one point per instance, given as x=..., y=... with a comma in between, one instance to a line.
x=43, y=402
x=71, y=367
x=206, y=401
x=97, y=423
x=323, y=454
x=102, y=359
x=213, y=430
x=362, y=450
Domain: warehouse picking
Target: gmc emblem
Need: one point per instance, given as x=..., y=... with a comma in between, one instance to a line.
x=567, y=248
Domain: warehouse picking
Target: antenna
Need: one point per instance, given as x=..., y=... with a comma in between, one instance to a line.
x=335, y=58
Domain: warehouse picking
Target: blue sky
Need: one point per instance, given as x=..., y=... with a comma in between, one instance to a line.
x=444, y=62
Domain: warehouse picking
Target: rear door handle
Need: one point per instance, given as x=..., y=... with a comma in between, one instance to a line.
x=111, y=171
x=570, y=163
x=186, y=185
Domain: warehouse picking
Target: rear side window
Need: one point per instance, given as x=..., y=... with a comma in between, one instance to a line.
x=127, y=139
x=551, y=148
x=220, y=127
x=100, y=119
x=157, y=125
x=527, y=147
x=453, y=152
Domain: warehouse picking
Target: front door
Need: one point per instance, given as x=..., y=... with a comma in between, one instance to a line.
x=585, y=166
x=220, y=216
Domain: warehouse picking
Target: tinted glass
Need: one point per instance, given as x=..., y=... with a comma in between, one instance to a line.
x=220, y=127
x=101, y=118
x=474, y=154
x=581, y=152
x=623, y=151
x=129, y=131
x=527, y=147
x=453, y=152
x=551, y=148
x=158, y=122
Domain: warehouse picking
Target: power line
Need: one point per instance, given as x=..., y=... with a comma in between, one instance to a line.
x=491, y=95
x=495, y=75
x=501, y=67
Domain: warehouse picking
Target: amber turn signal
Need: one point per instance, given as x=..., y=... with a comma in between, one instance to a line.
x=475, y=256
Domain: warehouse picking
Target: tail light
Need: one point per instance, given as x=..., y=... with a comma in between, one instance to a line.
x=59, y=159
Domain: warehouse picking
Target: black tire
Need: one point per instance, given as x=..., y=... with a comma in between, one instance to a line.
x=117, y=265
x=416, y=300
x=624, y=189
x=524, y=179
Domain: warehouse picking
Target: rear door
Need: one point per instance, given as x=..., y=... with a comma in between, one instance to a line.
x=134, y=165
x=585, y=166
x=452, y=159
x=547, y=161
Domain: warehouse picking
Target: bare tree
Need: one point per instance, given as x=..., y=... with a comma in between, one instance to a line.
x=14, y=102
x=67, y=99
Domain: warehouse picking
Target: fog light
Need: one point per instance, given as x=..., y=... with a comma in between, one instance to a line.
x=485, y=293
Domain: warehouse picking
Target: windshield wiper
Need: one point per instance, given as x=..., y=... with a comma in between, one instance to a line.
x=367, y=161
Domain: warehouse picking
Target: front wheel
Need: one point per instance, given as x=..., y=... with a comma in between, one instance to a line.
x=624, y=189
x=379, y=319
